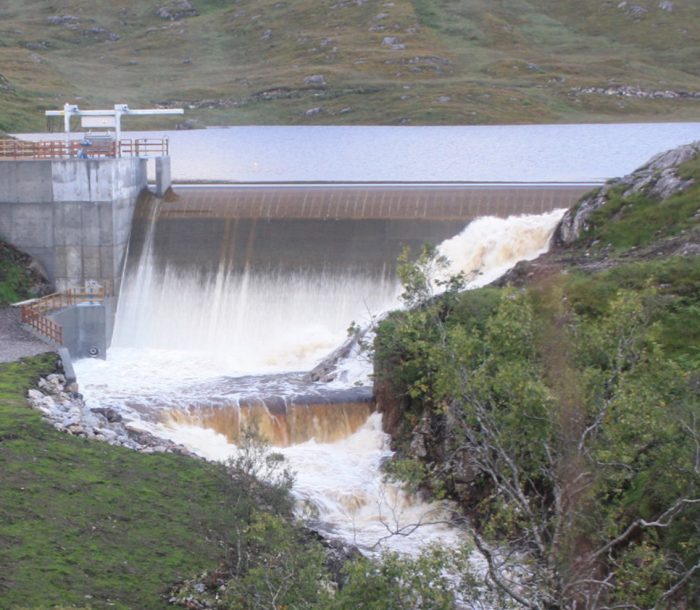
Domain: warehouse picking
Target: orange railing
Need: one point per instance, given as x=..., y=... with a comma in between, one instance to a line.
x=42, y=324
x=66, y=149
x=34, y=312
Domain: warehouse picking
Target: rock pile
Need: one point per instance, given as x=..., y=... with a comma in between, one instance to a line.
x=67, y=20
x=628, y=91
x=65, y=408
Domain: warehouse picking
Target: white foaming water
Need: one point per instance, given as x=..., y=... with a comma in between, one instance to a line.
x=252, y=322
x=489, y=246
x=486, y=248
x=177, y=336
x=340, y=489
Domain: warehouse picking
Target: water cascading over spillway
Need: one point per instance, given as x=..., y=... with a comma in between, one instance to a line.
x=220, y=319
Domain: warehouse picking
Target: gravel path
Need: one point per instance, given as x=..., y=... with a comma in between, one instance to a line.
x=15, y=341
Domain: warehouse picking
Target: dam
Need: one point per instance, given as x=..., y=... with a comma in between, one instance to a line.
x=232, y=292
x=292, y=227
x=261, y=258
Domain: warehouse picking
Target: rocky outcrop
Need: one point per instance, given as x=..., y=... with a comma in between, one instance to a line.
x=315, y=80
x=636, y=11
x=575, y=220
x=331, y=367
x=66, y=20
x=658, y=179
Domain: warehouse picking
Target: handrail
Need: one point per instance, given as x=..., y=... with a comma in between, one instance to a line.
x=71, y=149
x=34, y=312
x=44, y=325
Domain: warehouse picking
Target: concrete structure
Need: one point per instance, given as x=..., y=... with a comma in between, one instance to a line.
x=163, y=176
x=111, y=120
x=67, y=362
x=86, y=329
x=364, y=201
x=72, y=215
x=75, y=217
x=317, y=230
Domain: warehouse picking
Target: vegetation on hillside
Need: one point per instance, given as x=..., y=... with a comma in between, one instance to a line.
x=563, y=415
x=347, y=62
x=634, y=218
x=20, y=278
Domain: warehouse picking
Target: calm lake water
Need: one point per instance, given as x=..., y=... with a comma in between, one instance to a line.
x=502, y=153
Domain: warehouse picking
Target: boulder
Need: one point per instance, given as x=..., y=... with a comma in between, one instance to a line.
x=34, y=396
x=176, y=10
x=111, y=415
x=315, y=80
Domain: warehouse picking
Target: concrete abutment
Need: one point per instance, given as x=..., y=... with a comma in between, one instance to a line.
x=74, y=216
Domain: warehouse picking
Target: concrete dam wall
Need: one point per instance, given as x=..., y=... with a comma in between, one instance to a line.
x=442, y=202
x=331, y=227
x=72, y=215
x=235, y=251
x=214, y=269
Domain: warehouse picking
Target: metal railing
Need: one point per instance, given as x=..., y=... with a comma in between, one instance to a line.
x=34, y=312
x=144, y=147
x=44, y=325
x=98, y=148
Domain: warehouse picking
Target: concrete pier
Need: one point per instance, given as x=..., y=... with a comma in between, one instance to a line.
x=73, y=215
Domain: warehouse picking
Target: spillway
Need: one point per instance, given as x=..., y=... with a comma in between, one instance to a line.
x=244, y=272
x=231, y=295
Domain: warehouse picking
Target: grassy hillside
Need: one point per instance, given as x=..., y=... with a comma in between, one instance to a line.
x=405, y=61
x=85, y=524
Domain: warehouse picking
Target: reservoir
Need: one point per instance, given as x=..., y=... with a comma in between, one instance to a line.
x=500, y=153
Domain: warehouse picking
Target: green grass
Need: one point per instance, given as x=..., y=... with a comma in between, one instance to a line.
x=86, y=524
x=525, y=55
